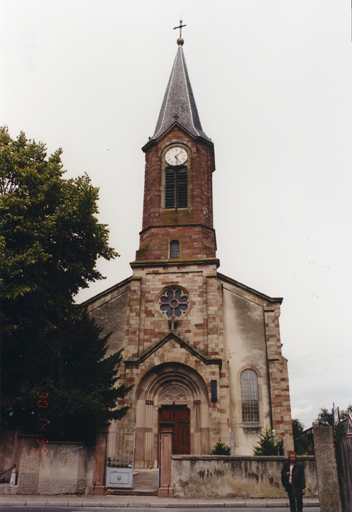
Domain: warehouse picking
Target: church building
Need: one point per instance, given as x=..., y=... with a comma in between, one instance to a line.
x=202, y=351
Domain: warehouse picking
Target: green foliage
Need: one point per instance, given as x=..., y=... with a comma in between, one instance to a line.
x=50, y=236
x=325, y=418
x=344, y=414
x=297, y=428
x=267, y=444
x=220, y=449
x=339, y=424
x=50, y=240
x=301, y=443
x=76, y=379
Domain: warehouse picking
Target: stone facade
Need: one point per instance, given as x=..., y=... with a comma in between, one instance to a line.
x=229, y=328
x=191, y=336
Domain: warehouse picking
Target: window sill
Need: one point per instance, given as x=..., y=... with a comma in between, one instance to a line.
x=251, y=426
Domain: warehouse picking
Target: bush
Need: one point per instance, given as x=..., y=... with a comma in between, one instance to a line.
x=267, y=444
x=220, y=449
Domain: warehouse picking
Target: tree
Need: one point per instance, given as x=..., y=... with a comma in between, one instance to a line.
x=297, y=428
x=50, y=236
x=267, y=444
x=301, y=442
x=325, y=418
x=50, y=240
x=76, y=382
x=330, y=419
x=344, y=414
x=220, y=449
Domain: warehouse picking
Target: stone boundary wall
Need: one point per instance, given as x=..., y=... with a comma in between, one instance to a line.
x=61, y=468
x=213, y=476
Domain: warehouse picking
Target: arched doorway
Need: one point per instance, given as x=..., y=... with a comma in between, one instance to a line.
x=173, y=396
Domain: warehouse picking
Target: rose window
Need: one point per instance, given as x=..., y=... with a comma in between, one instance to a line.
x=174, y=303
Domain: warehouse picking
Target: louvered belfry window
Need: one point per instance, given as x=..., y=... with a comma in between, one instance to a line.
x=176, y=188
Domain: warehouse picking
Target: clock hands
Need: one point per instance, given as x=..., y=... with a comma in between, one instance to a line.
x=176, y=156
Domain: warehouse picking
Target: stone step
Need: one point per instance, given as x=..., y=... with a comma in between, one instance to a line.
x=132, y=492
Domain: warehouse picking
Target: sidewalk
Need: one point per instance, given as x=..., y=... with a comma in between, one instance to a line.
x=142, y=501
x=144, y=482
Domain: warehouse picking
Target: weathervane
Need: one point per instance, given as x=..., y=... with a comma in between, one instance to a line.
x=180, y=27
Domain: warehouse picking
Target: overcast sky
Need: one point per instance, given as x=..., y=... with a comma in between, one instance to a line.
x=273, y=85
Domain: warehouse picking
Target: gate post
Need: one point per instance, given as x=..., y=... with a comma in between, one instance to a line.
x=328, y=485
x=99, y=464
x=166, y=435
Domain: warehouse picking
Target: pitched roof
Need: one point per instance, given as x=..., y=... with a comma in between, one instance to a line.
x=179, y=104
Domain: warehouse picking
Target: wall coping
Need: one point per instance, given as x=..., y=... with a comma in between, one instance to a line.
x=279, y=458
x=32, y=436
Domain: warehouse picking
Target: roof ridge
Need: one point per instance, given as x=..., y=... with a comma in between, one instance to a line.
x=187, y=89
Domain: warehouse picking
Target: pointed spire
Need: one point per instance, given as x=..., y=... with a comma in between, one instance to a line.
x=179, y=104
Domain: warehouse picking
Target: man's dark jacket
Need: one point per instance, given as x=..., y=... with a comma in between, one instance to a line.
x=298, y=480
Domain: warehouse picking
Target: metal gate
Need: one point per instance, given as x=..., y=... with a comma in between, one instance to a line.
x=119, y=470
x=344, y=463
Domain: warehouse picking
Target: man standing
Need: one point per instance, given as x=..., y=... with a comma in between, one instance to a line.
x=292, y=477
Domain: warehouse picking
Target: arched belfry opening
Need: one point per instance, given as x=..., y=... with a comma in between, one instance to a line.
x=173, y=395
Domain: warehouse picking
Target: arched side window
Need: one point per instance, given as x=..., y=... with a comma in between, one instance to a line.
x=249, y=397
x=176, y=187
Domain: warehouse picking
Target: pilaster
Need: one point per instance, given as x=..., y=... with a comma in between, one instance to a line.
x=278, y=377
x=134, y=318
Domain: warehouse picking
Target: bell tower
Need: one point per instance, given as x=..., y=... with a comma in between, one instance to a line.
x=178, y=202
x=202, y=351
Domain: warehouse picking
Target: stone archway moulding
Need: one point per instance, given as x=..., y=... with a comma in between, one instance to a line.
x=170, y=383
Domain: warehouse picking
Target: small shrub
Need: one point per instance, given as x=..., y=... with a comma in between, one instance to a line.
x=267, y=444
x=220, y=449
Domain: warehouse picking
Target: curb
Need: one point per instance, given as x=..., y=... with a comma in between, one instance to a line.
x=157, y=504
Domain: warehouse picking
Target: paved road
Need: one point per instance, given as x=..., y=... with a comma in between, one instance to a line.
x=28, y=508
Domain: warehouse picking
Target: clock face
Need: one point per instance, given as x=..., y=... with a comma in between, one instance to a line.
x=176, y=156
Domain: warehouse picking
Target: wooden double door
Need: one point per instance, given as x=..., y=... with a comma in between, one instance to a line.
x=176, y=419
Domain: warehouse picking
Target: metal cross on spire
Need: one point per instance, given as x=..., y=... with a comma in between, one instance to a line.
x=180, y=27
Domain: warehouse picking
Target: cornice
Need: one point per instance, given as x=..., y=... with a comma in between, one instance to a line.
x=175, y=263
x=246, y=288
x=152, y=141
x=164, y=226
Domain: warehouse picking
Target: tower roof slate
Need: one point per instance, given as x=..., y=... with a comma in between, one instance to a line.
x=179, y=104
